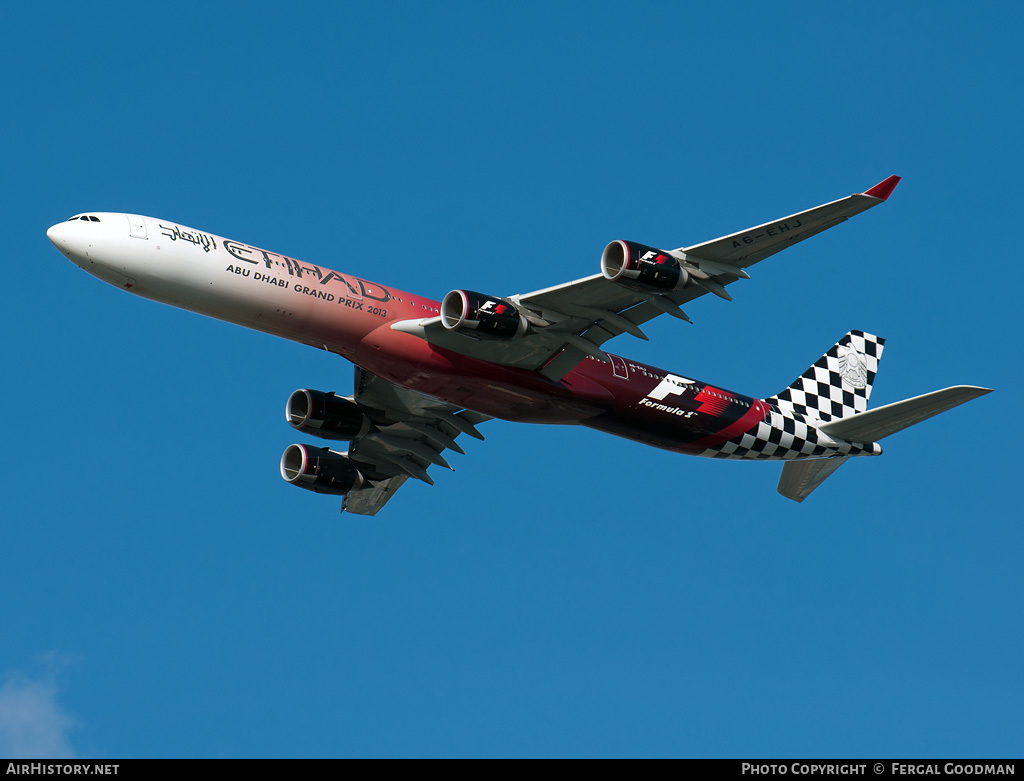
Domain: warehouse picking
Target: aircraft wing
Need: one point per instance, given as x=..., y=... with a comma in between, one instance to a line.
x=572, y=320
x=410, y=432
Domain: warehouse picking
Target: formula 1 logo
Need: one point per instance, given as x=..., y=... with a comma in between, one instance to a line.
x=670, y=386
x=493, y=306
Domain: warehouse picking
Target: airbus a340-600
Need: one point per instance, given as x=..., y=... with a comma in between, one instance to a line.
x=428, y=371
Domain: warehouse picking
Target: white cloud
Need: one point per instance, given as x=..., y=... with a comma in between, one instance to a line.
x=32, y=723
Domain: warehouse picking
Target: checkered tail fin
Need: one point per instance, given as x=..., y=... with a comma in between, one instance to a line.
x=839, y=383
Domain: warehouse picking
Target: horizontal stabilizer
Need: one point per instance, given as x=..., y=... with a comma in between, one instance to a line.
x=877, y=423
x=799, y=478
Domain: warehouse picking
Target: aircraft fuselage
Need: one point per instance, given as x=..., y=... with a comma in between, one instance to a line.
x=350, y=316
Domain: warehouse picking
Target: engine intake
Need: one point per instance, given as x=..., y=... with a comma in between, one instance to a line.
x=643, y=268
x=320, y=470
x=325, y=415
x=487, y=315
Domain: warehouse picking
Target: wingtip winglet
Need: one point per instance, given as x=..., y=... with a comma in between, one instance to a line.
x=883, y=190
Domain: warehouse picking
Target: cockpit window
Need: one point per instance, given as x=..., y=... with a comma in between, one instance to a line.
x=86, y=217
x=94, y=219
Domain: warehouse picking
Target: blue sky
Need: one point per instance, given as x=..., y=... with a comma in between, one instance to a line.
x=564, y=592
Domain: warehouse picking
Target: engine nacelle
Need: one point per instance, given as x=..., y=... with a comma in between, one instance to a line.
x=642, y=268
x=320, y=470
x=486, y=315
x=325, y=415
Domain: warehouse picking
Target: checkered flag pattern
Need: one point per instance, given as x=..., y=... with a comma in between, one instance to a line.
x=790, y=438
x=838, y=384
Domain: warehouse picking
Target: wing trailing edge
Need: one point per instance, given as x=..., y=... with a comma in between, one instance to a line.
x=410, y=433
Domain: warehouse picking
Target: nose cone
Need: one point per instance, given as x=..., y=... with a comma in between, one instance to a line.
x=67, y=238
x=82, y=235
x=74, y=240
x=57, y=234
x=98, y=243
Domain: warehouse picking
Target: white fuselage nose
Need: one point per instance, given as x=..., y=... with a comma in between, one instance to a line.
x=191, y=269
x=100, y=243
x=139, y=254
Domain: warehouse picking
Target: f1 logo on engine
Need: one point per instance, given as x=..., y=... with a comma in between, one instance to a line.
x=671, y=385
x=493, y=306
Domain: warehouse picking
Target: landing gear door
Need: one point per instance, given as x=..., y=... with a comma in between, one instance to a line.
x=138, y=226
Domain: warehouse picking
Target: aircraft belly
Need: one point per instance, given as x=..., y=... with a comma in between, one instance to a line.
x=683, y=431
x=494, y=390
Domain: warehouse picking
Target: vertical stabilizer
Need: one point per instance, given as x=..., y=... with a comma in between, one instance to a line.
x=839, y=383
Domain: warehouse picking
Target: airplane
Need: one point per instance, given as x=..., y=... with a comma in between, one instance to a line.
x=427, y=371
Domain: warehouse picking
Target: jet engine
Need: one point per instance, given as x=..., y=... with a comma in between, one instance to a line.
x=642, y=268
x=486, y=315
x=320, y=470
x=325, y=415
